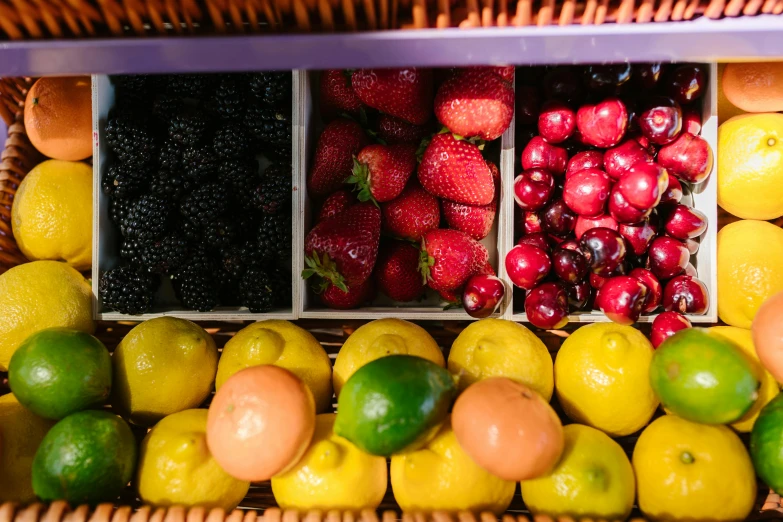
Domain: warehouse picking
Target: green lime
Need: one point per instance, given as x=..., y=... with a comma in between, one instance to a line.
x=704, y=377
x=394, y=404
x=766, y=444
x=87, y=457
x=59, y=371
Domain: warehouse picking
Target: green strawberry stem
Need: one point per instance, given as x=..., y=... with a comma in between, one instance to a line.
x=425, y=262
x=361, y=181
x=326, y=269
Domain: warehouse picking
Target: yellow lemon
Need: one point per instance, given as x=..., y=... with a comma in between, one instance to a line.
x=21, y=432
x=592, y=479
x=285, y=345
x=750, y=166
x=750, y=269
x=689, y=471
x=39, y=295
x=381, y=338
x=52, y=213
x=500, y=348
x=602, y=378
x=332, y=474
x=442, y=477
x=176, y=467
x=162, y=366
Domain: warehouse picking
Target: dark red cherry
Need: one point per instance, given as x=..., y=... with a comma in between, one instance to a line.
x=527, y=265
x=638, y=236
x=558, y=219
x=588, y=159
x=689, y=158
x=579, y=295
x=569, y=265
x=538, y=239
x=619, y=159
x=687, y=295
x=539, y=154
x=660, y=120
x=685, y=222
x=621, y=299
x=584, y=224
x=533, y=188
x=667, y=257
x=587, y=192
x=691, y=121
x=556, y=121
x=546, y=306
x=482, y=295
x=665, y=325
x=604, y=249
x=686, y=83
x=562, y=83
x=647, y=75
x=622, y=211
x=643, y=185
x=528, y=102
x=654, y=288
x=673, y=192
x=603, y=124
x=532, y=222
x=607, y=79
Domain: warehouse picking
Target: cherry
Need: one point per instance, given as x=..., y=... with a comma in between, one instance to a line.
x=667, y=257
x=556, y=121
x=624, y=212
x=666, y=325
x=687, y=295
x=579, y=294
x=562, y=83
x=603, y=124
x=691, y=121
x=604, y=249
x=660, y=120
x=607, y=79
x=587, y=191
x=684, y=222
x=686, y=83
x=621, y=299
x=690, y=270
x=546, y=306
x=527, y=104
x=569, y=265
x=619, y=159
x=538, y=239
x=533, y=188
x=597, y=281
x=643, y=185
x=527, y=265
x=542, y=155
x=638, y=236
x=647, y=75
x=654, y=289
x=558, y=219
x=689, y=158
x=584, y=224
x=570, y=244
x=482, y=295
x=673, y=192
x=532, y=223
x=588, y=159
x=693, y=246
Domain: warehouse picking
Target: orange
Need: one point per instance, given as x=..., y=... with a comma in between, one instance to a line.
x=726, y=110
x=754, y=87
x=508, y=429
x=260, y=422
x=767, y=331
x=58, y=117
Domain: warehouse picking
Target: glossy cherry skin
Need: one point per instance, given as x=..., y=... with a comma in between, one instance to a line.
x=686, y=83
x=546, y=306
x=647, y=75
x=587, y=192
x=569, y=265
x=527, y=265
x=532, y=223
x=528, y=103
x=621, y=299
x=588, y=159
x=624, y=212
x=685, y=222
x=597, y=281
x=619, y=159
x=654, y=288
x=579, y=295
x=691, y=121
x=689, y=158
x=482, y=295
x=660, y=120
x=604, y=249
x=665, y=325
x=690, y=270
x=643, y=185
x=693, y=246
x=607, y=79
x=603, y=124
x=687, y=295
x=584, y=224
x=539, y=154
x=558, y=219
x=673, y=192
x=667, y=257
x=638, y=236
x=539, y=239
x=556, y=121
x=562, y=83
x=533, y=188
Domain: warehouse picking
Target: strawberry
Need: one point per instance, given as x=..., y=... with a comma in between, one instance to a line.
x=475, y=220
x=475, y=103
x=340, y=141
x=335, y=204
x=480, y=258
x=452, y=297
x=411, y=214
x=447, y=258
x=394, y=130
x=455, y=170
x=381, y=171
x=404, y=93
x=397, y=271
x=333, y=297
x=504, y=71
x=337, y=96
x=487, y=269
x=342, y=249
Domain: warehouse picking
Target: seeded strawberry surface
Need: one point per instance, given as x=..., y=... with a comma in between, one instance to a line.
x=336, y=204
x=450, y=256
x=455, y=170
x=412, y=213
x=404, y=93
x=381, y=171
x=395, y=130
x=337, y=96
x=397, y=271
x=340, y=141
x=335, y=298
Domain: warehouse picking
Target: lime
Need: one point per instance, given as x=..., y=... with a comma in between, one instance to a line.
x=766, y=444
x=394, y=404
x=59, y=371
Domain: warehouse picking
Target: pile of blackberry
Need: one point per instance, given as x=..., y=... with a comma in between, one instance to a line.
x=189, y=197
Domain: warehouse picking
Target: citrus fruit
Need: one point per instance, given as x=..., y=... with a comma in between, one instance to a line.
x=768, y=388
x=442, y=477
x=767, y=330
x=726, y=109
x=39, y=295
x=394, y=404
x=750, y=269
x=500, y=348
x=508, y=429
x=283, y=344
x=704, y=377
x=52, y=213
x=378, y=339
x=162, y=366
x=260, y=422
x=689, y=471
x=766, y=444
x=21, y=432
x=58, y=117
x=176, y=467
x=59, y=371
x=592, y=479
x=750, y=166
x=602, y=378
x=754, y=87
x=332, y=474
x=86, y=458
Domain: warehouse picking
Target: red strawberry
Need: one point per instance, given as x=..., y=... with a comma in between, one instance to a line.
x=480, y=258
x=381, y=171
x=335, y=298
x=487, y=269
x=337, y=96
x=504, y=71
x=455, y=170
x=411, y=214
x=447, y=259
x=475, y=220
x=404, y=93
x=342, y=249
x=394, y=130
x=453, y=297
x=340, y=141
x=397, y=271
x=476, y=103
x=335, y=204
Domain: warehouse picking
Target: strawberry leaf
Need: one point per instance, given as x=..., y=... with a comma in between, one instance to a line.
x=360, y=178
x=425, y=262
x=324, y=268
x=422, y=147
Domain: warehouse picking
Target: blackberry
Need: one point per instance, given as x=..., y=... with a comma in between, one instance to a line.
x=136, y=89
x=118, y=210
x=236, y=259
x=228, y=99
x=240, y=175
x=131, y=140
x=231, y=141
x=281, y=286
x=270, y=128
x=205, y=204
x=123, y=180
x=191, y=231
x=273, y=194
x=127, y=290
x=199, y=163
x=189, y=85
x=256, y=290
x=170, y=155
x=274, y=235
x=188, y=128
x=164, y=255
x=166, y=106
x=169, y=184
x=220, y=232
x=129, y=251
x=148, y=218
x=272, y=87
x=196, y=289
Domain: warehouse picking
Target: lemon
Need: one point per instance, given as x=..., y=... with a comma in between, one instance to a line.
x=592, y=479
x=500, y=348
x=162, y=366
x=283, y=344
x=52, y=213
x=39, y=295
x=332, y=474
x=689, y=471
x=602, y=378
x=176, y=467
x=442, y=477
x=750, y=166
x=378, y=339
x=21, y=432
x=750, y=269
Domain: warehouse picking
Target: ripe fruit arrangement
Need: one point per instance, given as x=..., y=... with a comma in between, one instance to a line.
x=607, y=166
x=199, y=183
